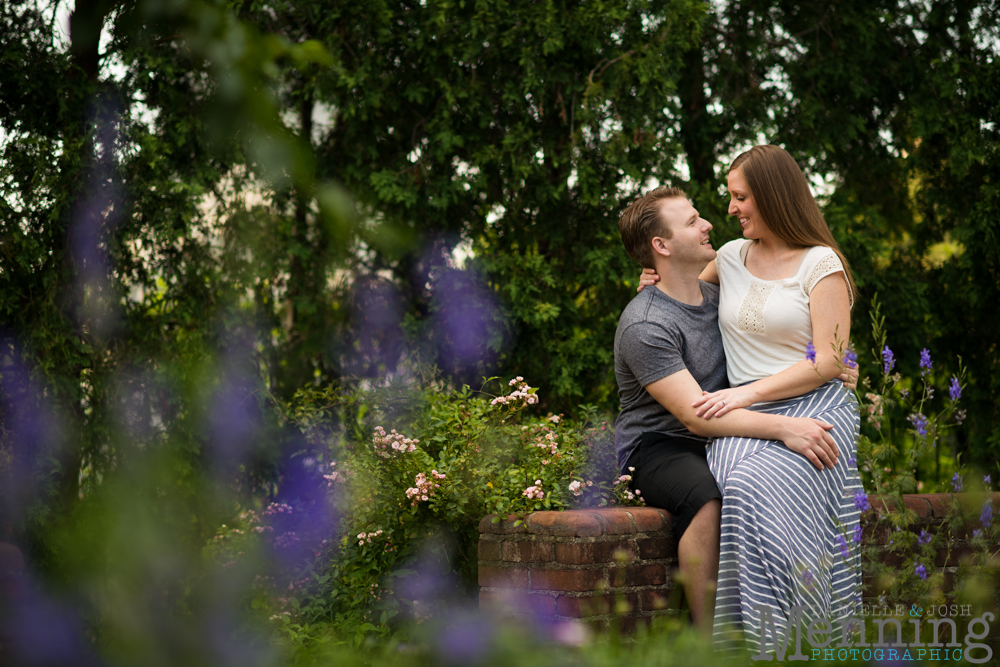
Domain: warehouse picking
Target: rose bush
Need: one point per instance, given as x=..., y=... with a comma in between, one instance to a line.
x=410, y=470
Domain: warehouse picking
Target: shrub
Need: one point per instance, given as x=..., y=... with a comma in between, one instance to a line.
x=410, y=470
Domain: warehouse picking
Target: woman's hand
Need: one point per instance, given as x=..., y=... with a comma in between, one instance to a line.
x=718, y=403
x=646, y=278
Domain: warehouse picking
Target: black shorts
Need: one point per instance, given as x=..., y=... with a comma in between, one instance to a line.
x=672, y=474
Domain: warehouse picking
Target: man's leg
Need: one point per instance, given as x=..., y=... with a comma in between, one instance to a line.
x=698, y=555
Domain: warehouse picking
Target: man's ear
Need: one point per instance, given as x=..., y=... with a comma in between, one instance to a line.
x=660, y=246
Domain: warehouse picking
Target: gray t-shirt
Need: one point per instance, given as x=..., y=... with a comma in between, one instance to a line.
x=656, y=337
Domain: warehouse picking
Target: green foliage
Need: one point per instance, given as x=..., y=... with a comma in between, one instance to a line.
x=406, y=502
x=902, y=434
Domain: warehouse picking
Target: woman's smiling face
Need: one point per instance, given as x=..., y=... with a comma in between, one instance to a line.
x=742, y=206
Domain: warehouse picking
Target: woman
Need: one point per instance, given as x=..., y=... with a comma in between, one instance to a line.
x=789, y=531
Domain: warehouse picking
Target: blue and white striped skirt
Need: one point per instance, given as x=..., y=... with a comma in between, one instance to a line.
x=786, y=525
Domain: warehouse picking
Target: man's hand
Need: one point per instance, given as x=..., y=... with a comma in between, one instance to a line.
x=850, y=378
x=811, y=438
x=805, y=436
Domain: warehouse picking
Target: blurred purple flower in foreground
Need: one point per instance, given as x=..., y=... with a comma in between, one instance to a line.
x=811, y=352
x=465, y=638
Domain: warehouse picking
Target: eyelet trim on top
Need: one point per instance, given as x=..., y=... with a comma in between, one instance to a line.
x=751, y=315
x=824, y=267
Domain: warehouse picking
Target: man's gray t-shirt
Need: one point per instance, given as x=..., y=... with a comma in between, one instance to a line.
x=656, y=337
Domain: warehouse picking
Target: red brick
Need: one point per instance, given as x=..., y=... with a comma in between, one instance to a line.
x=489, y=550
x=622, y=552
x=882, y=505
x=575, y=553
x=503, y=577
x=657, y=547
x=517, y=602
x=568, y=580
x=952, y=557
x=651, y=519
x=654, y=600
x=586, y=553
x=919, y=505
x=627, y=625
x=616, y=521
x=574, y=523
x=596, y=605
x=941, y=503
x=582, y=607
x=526, y=551
x=652, y=574
x=892, y=558
x=503, y=527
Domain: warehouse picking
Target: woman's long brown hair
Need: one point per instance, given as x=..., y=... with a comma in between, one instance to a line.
x=782, y=197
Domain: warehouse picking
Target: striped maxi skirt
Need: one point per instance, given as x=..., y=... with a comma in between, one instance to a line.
x=786, y=525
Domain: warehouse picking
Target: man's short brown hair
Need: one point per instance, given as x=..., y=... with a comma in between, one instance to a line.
x=641, y=222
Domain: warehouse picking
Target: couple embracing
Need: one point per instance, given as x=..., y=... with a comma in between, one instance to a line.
x=715, y=353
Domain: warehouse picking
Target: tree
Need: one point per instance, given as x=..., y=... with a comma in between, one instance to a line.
x=115, y=296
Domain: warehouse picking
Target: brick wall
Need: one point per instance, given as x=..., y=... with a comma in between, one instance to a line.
x=596, y=564
x=599, y=564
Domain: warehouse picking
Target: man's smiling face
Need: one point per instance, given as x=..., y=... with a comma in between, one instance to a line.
x=690, y=242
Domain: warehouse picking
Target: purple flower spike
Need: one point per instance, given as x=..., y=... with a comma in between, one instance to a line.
x=919, y=422
x=811, y=352
x=888, y=360
x=957, y=484
x=850, y=359
x=861, y=501
x=856, y=538
x=924, y=538
x=955, y=390
x=986, y=517
x=925, y=361
x=921, y=572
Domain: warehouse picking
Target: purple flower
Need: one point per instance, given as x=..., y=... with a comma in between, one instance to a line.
x=925, y=361
x=957, y=484
x=976, y=533
x=924, y=538
x=857, y=533
x=919, y=423
x=921, y=572
x=807, y=578
x=850, y=359
x=986, y=516
x=845, y=551
x=861, y=501
x=853, y=461
x=811, y=352
x=888, y=360
x=987, y=481
x=955, y=390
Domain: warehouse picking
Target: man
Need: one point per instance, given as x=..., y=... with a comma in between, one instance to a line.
x=668, y=349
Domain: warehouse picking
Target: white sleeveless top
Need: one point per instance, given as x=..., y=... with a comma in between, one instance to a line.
x=765, y=323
